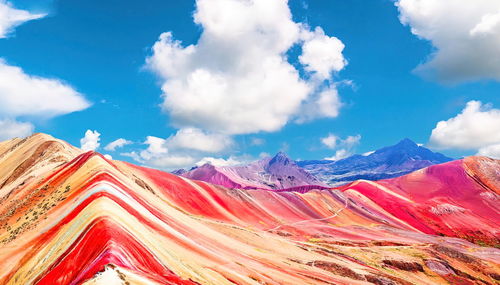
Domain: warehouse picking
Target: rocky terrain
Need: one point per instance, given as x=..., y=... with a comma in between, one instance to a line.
x=69, y=217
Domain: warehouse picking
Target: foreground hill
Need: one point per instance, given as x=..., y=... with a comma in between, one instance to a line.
x=458, y=198
x=278, y=172
x=69, y=217
x=392, y=161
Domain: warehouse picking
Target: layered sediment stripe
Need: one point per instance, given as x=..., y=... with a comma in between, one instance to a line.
x=72, y=238
x=90, y=219
x=85, y=209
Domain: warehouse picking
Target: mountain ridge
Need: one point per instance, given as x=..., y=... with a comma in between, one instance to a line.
x=87, y=218
x=272, y=173
x=387, y=162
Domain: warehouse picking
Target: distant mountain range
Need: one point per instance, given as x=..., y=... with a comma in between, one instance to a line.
x=392, y=161
x=273, y=173
x=281, y=172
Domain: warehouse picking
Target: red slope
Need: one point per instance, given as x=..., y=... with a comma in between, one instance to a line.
x=456, y=199
x=169, y=229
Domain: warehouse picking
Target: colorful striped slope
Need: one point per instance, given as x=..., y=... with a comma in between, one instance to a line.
x=68, y=217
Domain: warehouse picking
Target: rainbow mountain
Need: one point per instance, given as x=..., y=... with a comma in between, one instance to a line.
x=73, y=217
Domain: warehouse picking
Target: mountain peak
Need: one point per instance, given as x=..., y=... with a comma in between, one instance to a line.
x=406, y=142
x=281, y=153
x=280, y=157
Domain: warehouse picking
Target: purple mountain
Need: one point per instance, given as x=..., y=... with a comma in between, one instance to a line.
x=402, y=158
x=272, y=173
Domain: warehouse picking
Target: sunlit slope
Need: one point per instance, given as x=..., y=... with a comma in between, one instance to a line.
x=458, y=198
x=94, y=221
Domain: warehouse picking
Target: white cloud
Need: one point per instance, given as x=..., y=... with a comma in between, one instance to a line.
x=340, y=154
x=171, y=162
x=237, y=79
x=22, y=94
x=492, y=151
x=477, y=126
x=183, y=149
x=219, y=161
x=323, y=104
x=330, y=141
x=156, y=148
x=10, y=129
x=322, y=54
x=196, y=139
x=134, y=155
x=488, y=24
x=328, y=103
x=11, y=17
x=466, y=35
x=90, y=141
x=112, y=146
x=108, y=157
x=346, y=146
x=157, y=156
x=351, y=141
x=27, y=95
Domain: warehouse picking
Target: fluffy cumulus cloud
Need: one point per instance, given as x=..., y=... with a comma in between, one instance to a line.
x=156, y=148
x=340, y=154
x=11, y=129
x=465, y=34
x=196, y=139
x=345, y=147
x=160, y=158
x=23, y=94
x=164, y=161
x=322, y=54
x=220, y=161
x=477, y=126
x=90, y=141
x=237, y=78
x=183, y=149
x=492, y=151
x=352, y=141
x=112, y=146
x=323, y=104
x=330, y=141
x=11, y=17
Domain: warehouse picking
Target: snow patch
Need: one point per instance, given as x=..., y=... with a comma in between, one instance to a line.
x=489, y=196
x=445, y=209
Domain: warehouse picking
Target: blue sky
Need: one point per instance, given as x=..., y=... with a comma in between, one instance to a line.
x=100, y=48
